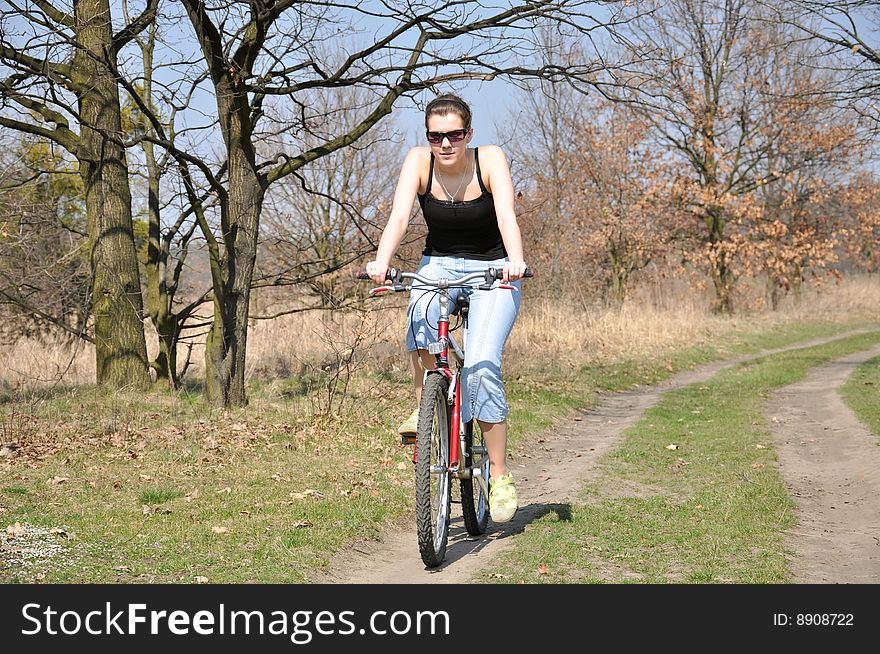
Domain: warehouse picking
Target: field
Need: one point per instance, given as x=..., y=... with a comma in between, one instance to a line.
x=161, y=487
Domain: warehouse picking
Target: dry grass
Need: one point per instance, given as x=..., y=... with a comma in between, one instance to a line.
x=659, y=319
x=656, y=319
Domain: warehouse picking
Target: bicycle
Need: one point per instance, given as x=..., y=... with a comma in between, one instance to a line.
x=454, y=450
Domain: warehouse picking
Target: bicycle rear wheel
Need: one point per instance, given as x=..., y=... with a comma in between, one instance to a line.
x=433, y=481
x=474, y=498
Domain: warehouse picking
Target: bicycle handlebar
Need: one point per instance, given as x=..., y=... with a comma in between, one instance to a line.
x=488, y=276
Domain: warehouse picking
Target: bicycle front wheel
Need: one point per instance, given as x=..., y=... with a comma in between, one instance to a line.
x=433, y=481
x=474, y=490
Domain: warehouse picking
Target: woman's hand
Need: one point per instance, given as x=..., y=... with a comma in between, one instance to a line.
x=513, y=270
x=378, y=271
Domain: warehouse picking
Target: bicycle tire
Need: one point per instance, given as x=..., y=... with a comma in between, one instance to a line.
x=433, y=480
x=474, y=500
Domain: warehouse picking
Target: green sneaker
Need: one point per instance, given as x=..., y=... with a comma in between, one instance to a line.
x=502, y=498
x=410, y=428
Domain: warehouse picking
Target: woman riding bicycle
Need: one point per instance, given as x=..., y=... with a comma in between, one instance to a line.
x=466, y=196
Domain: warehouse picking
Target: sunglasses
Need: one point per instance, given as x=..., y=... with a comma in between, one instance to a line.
x=455, y=136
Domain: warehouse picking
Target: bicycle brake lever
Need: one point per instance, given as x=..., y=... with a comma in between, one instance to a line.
x=396, y=282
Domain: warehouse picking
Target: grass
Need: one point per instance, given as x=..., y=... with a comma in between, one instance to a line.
x=158, y=487
x=862, y=393
x=709, y=511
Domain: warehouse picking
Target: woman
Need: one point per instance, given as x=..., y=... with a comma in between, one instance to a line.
x=466, y=196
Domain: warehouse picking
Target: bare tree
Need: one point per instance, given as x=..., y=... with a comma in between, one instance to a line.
x=257, y=55
x=550, y=114
x=167, y=241
x=719, y=84
x=327, y=215
x=58, y=76
x=848, y=30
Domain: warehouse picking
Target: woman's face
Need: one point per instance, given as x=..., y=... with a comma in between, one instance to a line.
x=446, y=151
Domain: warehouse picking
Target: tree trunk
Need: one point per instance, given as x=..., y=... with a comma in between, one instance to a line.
x=722, y=275
x=120, y=344
x=774, y=289
x=227, y=340
x=159, y=297
x=619, y=275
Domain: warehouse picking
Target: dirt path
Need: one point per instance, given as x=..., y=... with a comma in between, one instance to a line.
x=558, y=462
x=831, y=466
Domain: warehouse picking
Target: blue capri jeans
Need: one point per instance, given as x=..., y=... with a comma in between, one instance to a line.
x=490, y=320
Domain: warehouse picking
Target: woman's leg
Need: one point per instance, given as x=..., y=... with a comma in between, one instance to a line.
x=423, y=314
x=490, y=320
x=495, y=434
x=420, y=361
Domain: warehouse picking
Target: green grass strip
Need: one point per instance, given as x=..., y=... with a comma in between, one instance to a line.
x=862, y=393
x=712, y=510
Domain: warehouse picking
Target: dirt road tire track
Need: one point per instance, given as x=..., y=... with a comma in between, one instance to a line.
x=561, y=459
x=831, y=466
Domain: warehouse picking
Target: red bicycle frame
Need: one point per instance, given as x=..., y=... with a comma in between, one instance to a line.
x=454, y=378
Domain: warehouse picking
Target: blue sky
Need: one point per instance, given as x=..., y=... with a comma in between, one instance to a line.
x=492, y=104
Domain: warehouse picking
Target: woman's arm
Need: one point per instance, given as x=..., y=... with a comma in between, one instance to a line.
x=398, y=221
x=501, y=187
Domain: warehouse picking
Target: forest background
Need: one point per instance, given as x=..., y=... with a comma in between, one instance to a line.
x=181, y=172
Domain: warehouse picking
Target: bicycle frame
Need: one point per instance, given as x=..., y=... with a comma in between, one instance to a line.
x=441, y=350
x=446, y=448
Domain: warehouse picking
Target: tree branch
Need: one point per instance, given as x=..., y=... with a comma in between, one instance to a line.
x=60, y=17
x=138, y=25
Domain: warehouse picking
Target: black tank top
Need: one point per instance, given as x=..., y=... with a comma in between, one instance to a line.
x=467, y=229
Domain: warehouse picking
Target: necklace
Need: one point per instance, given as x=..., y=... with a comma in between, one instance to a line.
x=443, y=186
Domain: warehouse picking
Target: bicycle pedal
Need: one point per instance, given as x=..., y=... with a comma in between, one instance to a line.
x=408, y=440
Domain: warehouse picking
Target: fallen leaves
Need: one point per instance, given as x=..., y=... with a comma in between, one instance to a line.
x=543, y=569
x=201, y=580
x=56, y=480
x=301, y=523
x=757, y=465
x=308, y=492
x=15, y=530
x=672, y=446
x=220, y=530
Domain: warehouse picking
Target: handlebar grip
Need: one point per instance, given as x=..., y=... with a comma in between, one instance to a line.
x=498, y=273
x=391, y=274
